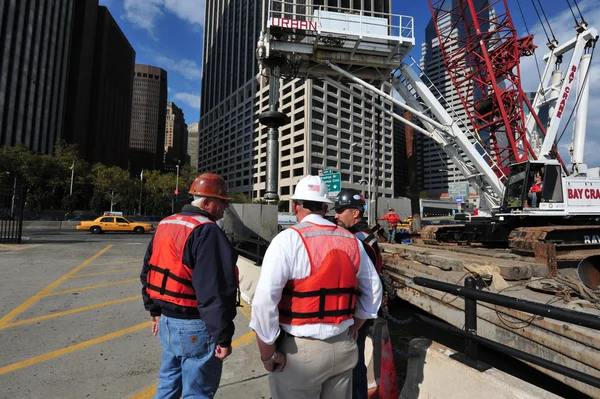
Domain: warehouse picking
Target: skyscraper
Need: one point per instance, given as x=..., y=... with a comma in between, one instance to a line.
x=192, y=144
x=35, y=38
x=99, y=112
x=148, y=116
x=328, y=129
x=436, y=170
x=176, y=135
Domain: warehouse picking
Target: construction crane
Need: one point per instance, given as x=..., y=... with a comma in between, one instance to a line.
x=343, y=46
x=481, y=52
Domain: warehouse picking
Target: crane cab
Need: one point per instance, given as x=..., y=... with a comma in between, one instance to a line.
x=534, y=185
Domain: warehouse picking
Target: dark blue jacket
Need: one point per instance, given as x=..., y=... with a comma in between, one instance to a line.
x=212, y=257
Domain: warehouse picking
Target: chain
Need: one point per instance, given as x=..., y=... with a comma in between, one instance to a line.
x=388, y=316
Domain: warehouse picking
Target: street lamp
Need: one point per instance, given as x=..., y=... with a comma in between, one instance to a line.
x=368, y=180
x=176, y=188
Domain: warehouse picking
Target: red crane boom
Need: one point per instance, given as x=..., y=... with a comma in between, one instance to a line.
x=481, y=52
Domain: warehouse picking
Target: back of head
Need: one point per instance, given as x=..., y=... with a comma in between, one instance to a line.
x=311, y=193
x=350, y=198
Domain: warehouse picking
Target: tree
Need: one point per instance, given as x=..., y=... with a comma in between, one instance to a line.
x=111, y=182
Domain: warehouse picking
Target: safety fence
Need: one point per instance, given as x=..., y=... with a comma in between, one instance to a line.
x=471, y=295
x=12, y=201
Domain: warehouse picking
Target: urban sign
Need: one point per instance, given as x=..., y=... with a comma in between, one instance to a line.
x=333, y=181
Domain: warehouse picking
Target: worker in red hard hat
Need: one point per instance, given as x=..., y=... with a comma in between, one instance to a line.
x=190, y=288
x=317, y=287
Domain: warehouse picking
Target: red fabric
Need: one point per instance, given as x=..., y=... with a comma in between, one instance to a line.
x=536, y=188
x=392, y=218
x=167, y=253
x=335, y=261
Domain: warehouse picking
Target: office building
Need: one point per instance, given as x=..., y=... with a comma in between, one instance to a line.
x=98, y=117
x=435, y=170
x=192, y=144
x=148, y=117
x=35, y=38
x=328, y=129
x=176, y=136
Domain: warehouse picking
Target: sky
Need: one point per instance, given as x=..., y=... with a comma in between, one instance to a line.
x=168, y=34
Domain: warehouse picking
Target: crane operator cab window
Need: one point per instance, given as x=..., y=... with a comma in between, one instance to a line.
x=530, y=184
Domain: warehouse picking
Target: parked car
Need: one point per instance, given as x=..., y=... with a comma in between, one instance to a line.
x=113, y=223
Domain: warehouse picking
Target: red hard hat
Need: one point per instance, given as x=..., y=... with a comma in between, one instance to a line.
x=210, y=185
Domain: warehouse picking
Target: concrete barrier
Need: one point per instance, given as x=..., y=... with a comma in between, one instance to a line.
x=433, y=374
x=249, y=274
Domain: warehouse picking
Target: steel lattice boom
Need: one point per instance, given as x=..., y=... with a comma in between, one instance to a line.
x=481, y=53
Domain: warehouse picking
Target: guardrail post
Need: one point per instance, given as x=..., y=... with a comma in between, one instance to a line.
x=469, y=357
x=470, y=321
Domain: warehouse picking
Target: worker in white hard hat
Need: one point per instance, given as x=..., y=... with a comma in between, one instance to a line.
x=317, y=287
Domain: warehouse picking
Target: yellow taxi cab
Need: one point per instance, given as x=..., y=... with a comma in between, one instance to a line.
x=113, y=223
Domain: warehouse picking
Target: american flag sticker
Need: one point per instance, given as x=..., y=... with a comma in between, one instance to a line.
x=314, y=187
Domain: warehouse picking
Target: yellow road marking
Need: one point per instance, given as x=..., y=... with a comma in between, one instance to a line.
x=106, y=272
x=69, y=349
x=151, y=390
x=22, y=307
x=91, y=287
x=66, y=312
x=119, y=263
x=246, y=310
x=19, y=248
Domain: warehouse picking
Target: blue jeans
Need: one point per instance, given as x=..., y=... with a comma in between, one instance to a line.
x=189, y=368
x=392, y=234
x=359, y=373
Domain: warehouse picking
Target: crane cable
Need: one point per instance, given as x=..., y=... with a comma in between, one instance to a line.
x=537, y=64
x=548, y=22
x=541, y=22
x=572, y=13
x=579, y=11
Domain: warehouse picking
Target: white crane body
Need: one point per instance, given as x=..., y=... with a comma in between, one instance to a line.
x=345, y=47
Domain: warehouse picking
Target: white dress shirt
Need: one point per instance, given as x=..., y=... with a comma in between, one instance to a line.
x=287, y=259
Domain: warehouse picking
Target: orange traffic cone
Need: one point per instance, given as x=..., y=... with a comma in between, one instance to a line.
x=388, y=384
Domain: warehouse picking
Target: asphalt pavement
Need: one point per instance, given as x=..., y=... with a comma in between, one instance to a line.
x=73, y=325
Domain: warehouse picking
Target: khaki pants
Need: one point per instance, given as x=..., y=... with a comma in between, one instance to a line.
x=315, y=369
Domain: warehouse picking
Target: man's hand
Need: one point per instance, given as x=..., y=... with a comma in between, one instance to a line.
x=222, y=352
x=155, y=321
x=277, y=364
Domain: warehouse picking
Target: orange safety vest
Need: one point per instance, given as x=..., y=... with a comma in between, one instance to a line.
x=169, y=279
x=328, y=294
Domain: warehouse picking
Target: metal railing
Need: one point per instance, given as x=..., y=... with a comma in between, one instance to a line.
x=11, y=214
x=253, y=247
x=471, y=295
x=318, y=17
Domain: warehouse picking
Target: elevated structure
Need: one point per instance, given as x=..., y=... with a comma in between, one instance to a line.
x=344, y=47
x=299, y=37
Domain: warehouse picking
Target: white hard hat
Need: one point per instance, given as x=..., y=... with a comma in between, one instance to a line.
x=311, y=188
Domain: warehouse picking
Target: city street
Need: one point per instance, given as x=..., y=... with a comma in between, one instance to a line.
x=73, y=324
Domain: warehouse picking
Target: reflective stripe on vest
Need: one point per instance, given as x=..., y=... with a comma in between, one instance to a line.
x=370, y=240
x=169, y=279
x=334, y=263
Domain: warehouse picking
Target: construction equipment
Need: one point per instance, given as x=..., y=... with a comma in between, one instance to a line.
x=492, y=148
